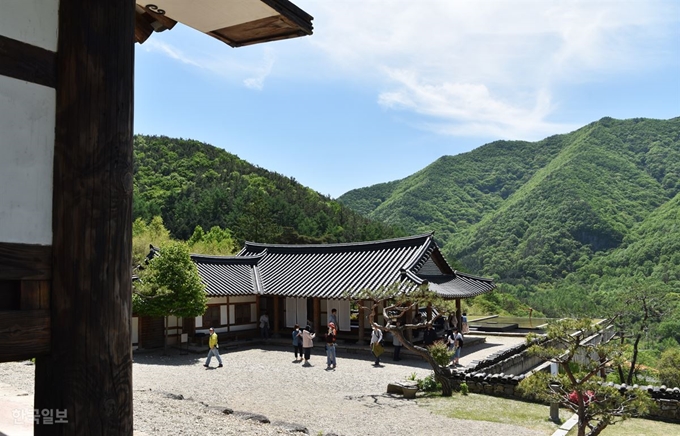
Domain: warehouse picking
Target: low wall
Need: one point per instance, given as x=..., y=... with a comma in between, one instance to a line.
x=502, y=385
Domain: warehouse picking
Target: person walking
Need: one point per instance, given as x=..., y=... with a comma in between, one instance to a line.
x=297, y=342
x=330, y=346
x=307, y=343
x=214, y=349
x=376, y=346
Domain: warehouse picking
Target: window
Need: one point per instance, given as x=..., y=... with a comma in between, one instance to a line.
x=242, y=313
x=211, y=317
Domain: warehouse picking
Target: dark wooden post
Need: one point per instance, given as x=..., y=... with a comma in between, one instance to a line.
x=88, y=372
x=362, y=322
x=317, y=314
x=459, y=315
x=277, y=316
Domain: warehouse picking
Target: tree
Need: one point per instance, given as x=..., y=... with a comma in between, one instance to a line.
x=669, y=368
x=583, y=350
x=397, y=305
x=170, y=285
x=636, y=311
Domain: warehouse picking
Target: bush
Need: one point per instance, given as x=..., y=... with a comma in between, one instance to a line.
x=669, y=368
x=429, y=384
x=440, y=353
x=464, y=389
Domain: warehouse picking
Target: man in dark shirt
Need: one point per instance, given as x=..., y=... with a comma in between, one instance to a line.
x=430, y=336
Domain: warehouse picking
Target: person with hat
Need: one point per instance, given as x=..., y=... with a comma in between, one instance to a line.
x=331, y=337
x=214, y=349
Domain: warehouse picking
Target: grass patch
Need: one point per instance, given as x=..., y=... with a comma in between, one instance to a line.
x=533, y=416
x=638, y=427
x=478, y=407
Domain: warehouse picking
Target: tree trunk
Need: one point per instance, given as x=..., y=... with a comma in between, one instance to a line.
x=440, y=374
x=633, y=360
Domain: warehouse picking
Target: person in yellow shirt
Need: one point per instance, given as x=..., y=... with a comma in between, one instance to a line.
x=214, y=349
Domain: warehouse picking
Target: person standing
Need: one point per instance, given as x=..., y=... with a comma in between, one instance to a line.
x=376, y=346
x=264, y=326
x=457, y=344
x=430, y=336
x=330, y=346
x=214, y=349
x=307, y=342
x=333, y=318
x=397, y=344
x=464, y=324
x=297, y=342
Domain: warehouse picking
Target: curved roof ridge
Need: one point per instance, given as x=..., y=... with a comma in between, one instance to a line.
x=235, y=259
x=425, y=251
x=340, y=244
x=471, y=276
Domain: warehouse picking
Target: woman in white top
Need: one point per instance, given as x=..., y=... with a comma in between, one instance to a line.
x=307, y=343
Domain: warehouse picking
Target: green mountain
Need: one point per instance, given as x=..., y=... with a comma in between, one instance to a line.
x=189, y=183
x=533, y=213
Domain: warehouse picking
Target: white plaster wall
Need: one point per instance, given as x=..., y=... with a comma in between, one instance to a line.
x=34, y=22
x=217, y=300
x=223, y=314
x=27, y=123
x=199, y=321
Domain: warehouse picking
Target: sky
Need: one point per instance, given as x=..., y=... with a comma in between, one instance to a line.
x=383, y=88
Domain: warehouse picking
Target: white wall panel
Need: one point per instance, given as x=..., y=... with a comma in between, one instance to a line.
x=223, y=314
x=26, y=160
x=34, y=22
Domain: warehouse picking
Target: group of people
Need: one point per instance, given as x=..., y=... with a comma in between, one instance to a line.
x=303, y=340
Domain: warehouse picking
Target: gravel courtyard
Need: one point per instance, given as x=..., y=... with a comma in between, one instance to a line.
x=175, y=394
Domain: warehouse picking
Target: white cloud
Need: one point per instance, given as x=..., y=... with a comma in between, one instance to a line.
x=262, y=72
x=483, y=67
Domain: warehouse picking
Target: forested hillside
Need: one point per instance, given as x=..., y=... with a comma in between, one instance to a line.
x=191, y=184
x=593, y=209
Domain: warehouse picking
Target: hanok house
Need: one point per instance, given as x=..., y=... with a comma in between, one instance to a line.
x=66, y=99
x=296, y=283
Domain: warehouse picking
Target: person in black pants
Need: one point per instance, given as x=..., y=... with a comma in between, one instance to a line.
x=430, y=336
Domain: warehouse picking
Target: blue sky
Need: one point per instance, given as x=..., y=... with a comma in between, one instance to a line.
x=384, y=88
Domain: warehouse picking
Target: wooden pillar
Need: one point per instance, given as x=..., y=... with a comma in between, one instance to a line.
x=88, y=372
x=317, y=314
x=362, y=321
x=277, y=316
x=459, y=315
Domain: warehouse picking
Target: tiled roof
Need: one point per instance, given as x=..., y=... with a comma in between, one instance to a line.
x=332, y=270
x=228, y=275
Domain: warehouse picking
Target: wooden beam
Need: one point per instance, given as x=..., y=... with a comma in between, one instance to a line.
x=24, y=334
x=89, y=369
x=25, y=261
x=35, y=295
x=27, y=62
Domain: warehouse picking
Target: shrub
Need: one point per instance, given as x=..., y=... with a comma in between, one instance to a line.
x=440, y=353
x=669, y=368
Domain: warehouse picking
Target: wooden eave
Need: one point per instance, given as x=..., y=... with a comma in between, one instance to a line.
x=284, y=20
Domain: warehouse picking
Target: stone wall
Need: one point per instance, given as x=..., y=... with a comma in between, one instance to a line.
x=502, y=385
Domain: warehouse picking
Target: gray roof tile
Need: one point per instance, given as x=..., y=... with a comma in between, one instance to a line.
x=332, y=270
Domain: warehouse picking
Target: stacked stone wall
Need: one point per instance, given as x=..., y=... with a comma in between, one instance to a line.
x=502, y=385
